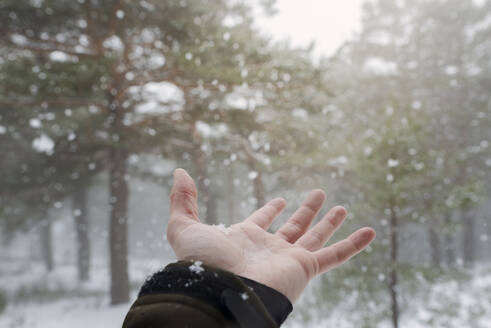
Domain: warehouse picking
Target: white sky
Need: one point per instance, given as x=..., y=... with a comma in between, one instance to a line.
x=327, y=22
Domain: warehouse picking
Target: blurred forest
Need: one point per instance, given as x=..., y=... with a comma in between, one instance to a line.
x=101, y=100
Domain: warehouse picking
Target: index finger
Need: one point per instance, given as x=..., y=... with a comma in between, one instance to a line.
x=264, y=216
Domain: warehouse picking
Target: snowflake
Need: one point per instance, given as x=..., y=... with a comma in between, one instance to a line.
x=196, y=267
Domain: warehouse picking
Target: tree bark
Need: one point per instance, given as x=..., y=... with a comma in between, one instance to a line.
x=206, y=195
x=488, y=240
x=211, y=207
x=46, y=243
x=436, y=253
x=80, y=214
x=257, y=183
x=468, y=238
x=230, y=195
x=118, y=226
x=259, y=192
x=393, y=267
x=449, y=241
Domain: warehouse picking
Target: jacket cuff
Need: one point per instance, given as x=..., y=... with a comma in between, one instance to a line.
x=277, y=304
x=251, y=303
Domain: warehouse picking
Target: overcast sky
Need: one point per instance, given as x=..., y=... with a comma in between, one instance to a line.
x=327, y=22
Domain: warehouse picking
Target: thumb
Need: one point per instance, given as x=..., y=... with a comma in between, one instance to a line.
x=184, y=196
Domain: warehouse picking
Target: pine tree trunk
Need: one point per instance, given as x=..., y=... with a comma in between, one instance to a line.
x=211, y=207
x=80, y=214
x=259, y=192
x=468, y=238
x=230, y=196
x=258, y=185
x=118, y=226
x=46, y=243
x=488, y=240
x=393, y=268
x=436, y=253
x=449, y=241
x=206, y=195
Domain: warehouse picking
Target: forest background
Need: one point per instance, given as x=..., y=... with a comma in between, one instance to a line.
x=101, y=100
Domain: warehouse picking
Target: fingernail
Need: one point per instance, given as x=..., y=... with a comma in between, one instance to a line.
x=338, y=216
x=368, y=235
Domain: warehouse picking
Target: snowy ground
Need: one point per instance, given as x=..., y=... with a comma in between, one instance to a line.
x=37, y=299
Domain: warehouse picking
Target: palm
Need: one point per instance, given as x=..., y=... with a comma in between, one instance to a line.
x=247, y=250
x=285, y=260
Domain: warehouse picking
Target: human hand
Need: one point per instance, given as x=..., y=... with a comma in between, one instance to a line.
x=286, y=260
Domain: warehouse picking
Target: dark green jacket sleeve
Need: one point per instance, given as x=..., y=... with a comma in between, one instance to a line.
x=191, y=294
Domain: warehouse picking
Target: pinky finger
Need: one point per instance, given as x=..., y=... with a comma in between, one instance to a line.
x=338, y=253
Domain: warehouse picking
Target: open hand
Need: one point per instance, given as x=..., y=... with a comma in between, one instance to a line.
x=286, y=260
